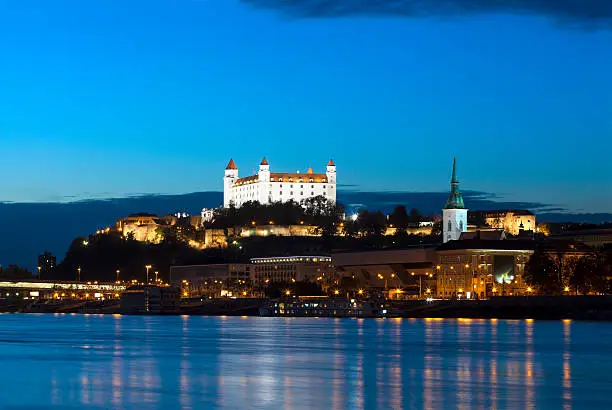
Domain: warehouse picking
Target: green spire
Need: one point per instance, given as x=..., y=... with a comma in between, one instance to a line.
x=455, y=200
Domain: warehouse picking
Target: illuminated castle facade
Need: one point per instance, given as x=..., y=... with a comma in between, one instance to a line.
x=266, y=187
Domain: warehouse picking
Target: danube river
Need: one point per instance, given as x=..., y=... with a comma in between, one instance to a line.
x=122, y=362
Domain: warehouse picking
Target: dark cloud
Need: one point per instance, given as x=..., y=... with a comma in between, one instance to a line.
x=582, y=13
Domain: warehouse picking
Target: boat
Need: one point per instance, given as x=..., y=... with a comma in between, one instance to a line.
x=322, y=306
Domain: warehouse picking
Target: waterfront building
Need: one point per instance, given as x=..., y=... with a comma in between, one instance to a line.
x=290, y=268
x=454, y=214
x=410, y=269
x=267, y=187
x=481, y=268
x=258, y=272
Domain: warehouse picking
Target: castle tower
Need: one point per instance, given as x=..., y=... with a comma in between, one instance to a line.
x=263, y=195
x=454, y=214
x=331, y=179
x=231, y=175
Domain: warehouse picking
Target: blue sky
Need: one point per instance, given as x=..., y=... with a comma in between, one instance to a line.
x=116, y=97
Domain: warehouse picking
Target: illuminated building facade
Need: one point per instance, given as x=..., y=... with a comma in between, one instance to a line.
x=267, y=187
x=290, y=268
x=478, y=268
x=511, y=221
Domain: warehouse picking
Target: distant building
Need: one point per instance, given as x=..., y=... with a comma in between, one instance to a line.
x=266, y=187
x=208, y=215
x=454, y=214
x=511, y=221
x=143, y=227
x=46, y=264
x=596, y=237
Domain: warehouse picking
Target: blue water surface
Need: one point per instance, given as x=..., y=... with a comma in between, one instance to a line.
x=146, y=362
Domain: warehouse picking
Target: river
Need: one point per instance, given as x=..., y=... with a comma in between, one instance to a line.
x=191, y=362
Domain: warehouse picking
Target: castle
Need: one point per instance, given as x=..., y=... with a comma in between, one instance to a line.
x=267, y=187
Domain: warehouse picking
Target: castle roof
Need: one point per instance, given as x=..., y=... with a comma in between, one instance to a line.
x=264, y=161
x=231, y=165
x=455, y=200
x=310, y=171
x=331, y=163
x=285, y=177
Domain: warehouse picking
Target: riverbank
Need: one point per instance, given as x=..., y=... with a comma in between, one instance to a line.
x=533, y=307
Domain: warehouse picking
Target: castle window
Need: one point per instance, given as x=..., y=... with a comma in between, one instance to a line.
x=291, y=193
x=291, y=186
x=323, y=186
x=450, y=226
x=323, y=180
x=312, y=193
x=311, y=180
x=300, y=180
x=312, y=186
x=281, y=185
x=281, y=192
x=302, y=193
x=324, y=193
x=290, y=179
x=280, y=180
x=301, y=186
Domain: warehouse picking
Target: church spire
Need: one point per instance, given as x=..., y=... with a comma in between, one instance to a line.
x=455, y=200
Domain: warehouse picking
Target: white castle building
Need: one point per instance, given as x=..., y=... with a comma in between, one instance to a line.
x=266, y=187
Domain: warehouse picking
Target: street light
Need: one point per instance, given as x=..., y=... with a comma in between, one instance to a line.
x=156, y=273
x=39, y=269
x=79, y=274
x=148, y=267
x=118, y=272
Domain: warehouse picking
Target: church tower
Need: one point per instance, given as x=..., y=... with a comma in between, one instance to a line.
x=454, y=214
x=231, y=175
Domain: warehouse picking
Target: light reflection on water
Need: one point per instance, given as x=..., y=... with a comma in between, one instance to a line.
x=260, y=363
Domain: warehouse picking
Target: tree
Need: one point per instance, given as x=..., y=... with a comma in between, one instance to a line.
x=541, y=272
x=15, y=272
x=399, y=218
x=415, y=216
x=589, y=274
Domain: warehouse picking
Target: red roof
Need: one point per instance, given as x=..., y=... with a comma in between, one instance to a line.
x=310, y=171
x=231, y=165
x=264, y=161
x=331, y=163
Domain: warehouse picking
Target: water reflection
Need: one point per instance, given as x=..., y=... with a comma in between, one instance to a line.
x=268, y=363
